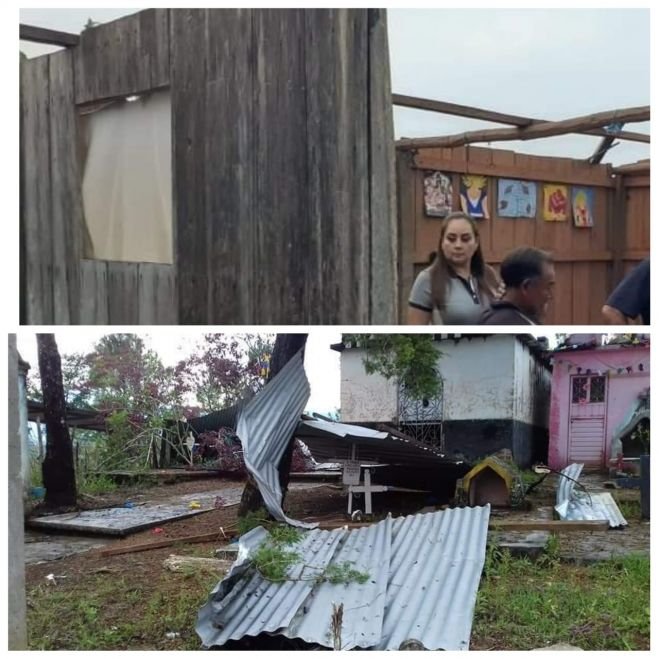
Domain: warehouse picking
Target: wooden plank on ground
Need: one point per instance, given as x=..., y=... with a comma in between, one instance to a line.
x=159, y=544
x=556, y=526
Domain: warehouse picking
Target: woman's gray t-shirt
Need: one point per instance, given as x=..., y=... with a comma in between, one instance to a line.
x=460, y=306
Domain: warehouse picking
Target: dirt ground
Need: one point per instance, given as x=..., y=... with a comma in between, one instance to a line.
x=323, y=503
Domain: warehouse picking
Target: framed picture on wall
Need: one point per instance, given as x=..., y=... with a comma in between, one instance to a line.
x=516, y=198
x=473, y=196
x=582, y=207
x=437, y=193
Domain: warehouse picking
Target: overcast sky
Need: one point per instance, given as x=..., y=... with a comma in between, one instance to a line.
x=173, y=344
x=544, y=64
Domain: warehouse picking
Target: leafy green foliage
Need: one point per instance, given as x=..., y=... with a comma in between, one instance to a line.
x=273, y=561
x=343, y=573
x=409, y=358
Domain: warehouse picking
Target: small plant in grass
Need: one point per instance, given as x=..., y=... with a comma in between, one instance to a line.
x=253, y=519
x=630, y=508
x=96, y=484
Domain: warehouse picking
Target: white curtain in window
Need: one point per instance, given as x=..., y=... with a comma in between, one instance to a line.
x=127, y=183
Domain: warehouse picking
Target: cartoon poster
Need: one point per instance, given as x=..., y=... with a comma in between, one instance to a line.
x=516, y=198
x=438, y=194
x=473, y=196
x=555, y=202
x=582, y=207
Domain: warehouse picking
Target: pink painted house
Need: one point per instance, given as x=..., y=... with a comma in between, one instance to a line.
x=594, y=394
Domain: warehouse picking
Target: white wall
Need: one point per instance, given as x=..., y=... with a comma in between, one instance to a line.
x=478, y=382
x=365, y=398
x=478, y=377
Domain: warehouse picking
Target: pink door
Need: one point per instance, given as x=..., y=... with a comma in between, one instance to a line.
x=587, y=438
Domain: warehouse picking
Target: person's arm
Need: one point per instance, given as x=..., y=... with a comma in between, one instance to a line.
x=614, y=317
x=416, y=316
x=419, y=311
x=625, y=305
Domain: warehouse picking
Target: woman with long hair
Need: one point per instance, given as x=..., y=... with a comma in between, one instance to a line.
x=458, y=285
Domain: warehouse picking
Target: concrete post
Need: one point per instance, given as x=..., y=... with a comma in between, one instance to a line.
x=17, y=610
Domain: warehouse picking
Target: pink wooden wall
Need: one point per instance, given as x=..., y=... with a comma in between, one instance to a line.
x=622, y=391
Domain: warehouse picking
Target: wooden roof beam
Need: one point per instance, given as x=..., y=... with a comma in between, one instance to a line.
x=43, y=35
x=534, y=131
x=497, y=117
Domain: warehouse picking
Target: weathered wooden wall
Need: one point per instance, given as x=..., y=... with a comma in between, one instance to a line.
x=585, y=258
x=283, y=170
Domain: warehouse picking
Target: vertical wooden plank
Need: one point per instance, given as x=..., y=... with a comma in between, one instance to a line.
x=525, y=228
x=67, y=214
x=156, y=294
x=229, y=173
x=22, y=248
x=407, y=221
x=154, y=44
x=37, y=191
x=189, y=124
x=93, y=292
x=500, y=230
x=560, y=310
x=281, y=199
x=383, y=305
x=123, y=57
x=123, y=294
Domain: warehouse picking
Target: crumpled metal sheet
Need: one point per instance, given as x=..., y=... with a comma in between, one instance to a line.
x=330, y=441
x=265, y=427
x=575, y=504
x=424, y=572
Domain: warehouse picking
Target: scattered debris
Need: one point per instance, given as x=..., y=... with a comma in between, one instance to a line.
x=195, y=505
x=190, y=539
x=185, y=563
x=52, y=579
x=157, y=530
x=558, y=647
x=170, y=636
x=578, y=504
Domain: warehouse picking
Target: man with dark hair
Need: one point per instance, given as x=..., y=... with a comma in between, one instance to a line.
x=629, y=304
x=528, y=275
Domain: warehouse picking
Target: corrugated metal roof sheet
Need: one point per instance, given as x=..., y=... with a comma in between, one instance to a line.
x=330, y=441
x=424, y=573
x=265, y=427
x=575, y=504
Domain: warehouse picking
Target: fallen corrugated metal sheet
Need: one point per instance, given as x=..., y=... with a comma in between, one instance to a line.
x=265, y=427
x=575, y=504
x=330, y=441
x=424, y=572
x=433, y=582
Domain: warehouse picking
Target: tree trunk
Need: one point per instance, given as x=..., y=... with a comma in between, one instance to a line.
x=286, y=347
x=57, y=468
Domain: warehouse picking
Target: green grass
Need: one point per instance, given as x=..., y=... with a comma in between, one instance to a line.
x=96, y=484
x=522, y=604
x=107, y=613
x=630, y=508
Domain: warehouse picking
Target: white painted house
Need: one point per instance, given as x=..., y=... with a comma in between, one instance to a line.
x=495, y=394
